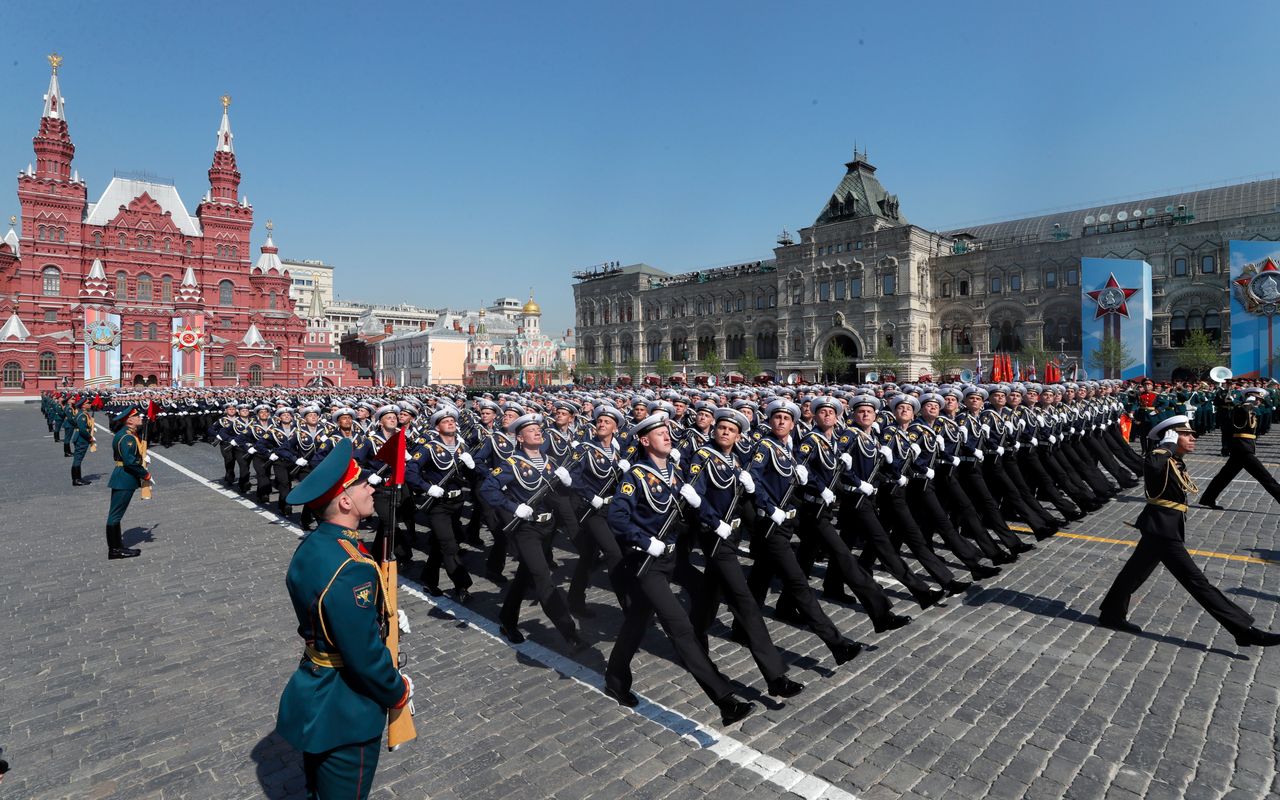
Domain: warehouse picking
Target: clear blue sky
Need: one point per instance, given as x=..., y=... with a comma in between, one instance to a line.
x=449, y=153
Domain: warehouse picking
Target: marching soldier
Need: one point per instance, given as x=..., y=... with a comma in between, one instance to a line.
x=223, y=432
x=594, y=468
x=335, y=705
x=1242, y=428
x=437, y=466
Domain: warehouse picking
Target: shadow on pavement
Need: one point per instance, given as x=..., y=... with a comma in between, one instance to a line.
x=279, y=768
x=138, y=535
x=1241, y=590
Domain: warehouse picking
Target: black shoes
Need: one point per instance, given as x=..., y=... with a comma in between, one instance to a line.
x=496, y=577
x=892, y=623
x=734, y=710
x=784, y=687
x=461, y=596
x=511, y=634
x=1254, y=637
x=76, y=478
x=581, y=611
x=1122, y=625
x=115, y=544
x=981, y=571
x=845, y=651
x=1043, y=533
x=123, y=552
x=1003, y=557
x=836, y=595
x=1210, y=504
x=627, y=698
x=929, y=598
x=954, y=588
x=433, y=590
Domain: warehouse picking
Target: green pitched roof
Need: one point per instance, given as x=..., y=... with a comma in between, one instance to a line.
x=860, y=195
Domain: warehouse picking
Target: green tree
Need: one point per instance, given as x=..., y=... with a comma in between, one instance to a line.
x=711, y=363
x=663, y=367
x=1111, y=357
x=945, y=361
x=1199, y=353
x=749, y=366
x=1034, y=354
x=885, y=360
x=632, y=368
x=834, y=360
x=607, y=369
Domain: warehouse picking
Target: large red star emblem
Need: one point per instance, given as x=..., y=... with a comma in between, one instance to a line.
x=1258, y=287
x=1112, y=298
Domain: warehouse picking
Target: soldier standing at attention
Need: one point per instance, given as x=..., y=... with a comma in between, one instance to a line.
x=335, y=706
x=126, y=478
x=1162, y=524
x=81, y=438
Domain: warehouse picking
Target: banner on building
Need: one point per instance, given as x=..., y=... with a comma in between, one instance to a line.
x=187, y=339
x=101, y=348
x=1115, y=318
x=1255, y=308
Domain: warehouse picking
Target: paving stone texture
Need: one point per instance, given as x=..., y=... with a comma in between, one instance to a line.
x=158, y=677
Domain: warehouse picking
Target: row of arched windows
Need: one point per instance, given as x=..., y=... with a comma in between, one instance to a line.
x=227, y=251
x=50, y=233
x=142, y=242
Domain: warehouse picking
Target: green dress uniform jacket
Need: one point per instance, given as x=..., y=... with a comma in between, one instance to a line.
x=346, y=679
x=130, y=471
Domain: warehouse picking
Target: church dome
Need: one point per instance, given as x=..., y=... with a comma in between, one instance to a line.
x=531, y=308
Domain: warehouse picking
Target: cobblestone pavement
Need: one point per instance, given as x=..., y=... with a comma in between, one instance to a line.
x=159, y=676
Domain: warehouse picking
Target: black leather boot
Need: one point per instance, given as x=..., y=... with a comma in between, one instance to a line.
x=77, y=479
x=115, y=544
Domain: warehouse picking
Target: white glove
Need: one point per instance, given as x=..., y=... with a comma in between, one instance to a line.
x=955, y=461
x=999, y=449
x=978, y=454
x=748, y=483
x=252, y=450
x=409, y=682
x=690, y=496
x=1170, y=437
x=723, y=530
x=274, y=457
x=675, y=456
x=467, y=460
x=624, y=464
x=524, y=512
x=656, y=548
x=324, y=438
x=301, y=462
x=778, y=516
x=1053, y=439
x=828, y=496
x=596, y=501
x=866, y=488
x=403, y=619
x=218, y=436
x=915, y=449
x=435, y=491
x=886, y=452
x=1017, y=445
x=1034, y=441
x=986, y=428
x=564, y=476
x=1009, y=425
x=847, y=460
x=374, y=479
x=802, y=472
x=902, y=480
x=1073, y=430
x=929, y=473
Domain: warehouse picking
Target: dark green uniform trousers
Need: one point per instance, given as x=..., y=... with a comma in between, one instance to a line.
x=343, y=772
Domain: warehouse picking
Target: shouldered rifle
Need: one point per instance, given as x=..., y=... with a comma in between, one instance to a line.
x=728, y=515
x=449, y=473
x=538, y=494
x=677, y=507
x=786, y=496
x=400, y=727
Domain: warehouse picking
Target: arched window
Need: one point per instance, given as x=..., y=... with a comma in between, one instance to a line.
x=188, y=248
x=225, y=293
x=1213, y=325
x=97, y=238
x=151, y=331
x=255, y=375
x=140, y=242
x=229, y=367
x=1177, y=329
x=52, y=281
x=144, y=288
x=167, y=244
x=122, y=240
x=166, y=289
x=12, y=375
x=271, y=300
x=42, y=233
x=137, y=330
x=48, y=364
x=275, y=360
x=235, y=252
x=122, y=285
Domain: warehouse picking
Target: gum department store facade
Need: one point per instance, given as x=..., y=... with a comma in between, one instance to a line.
x=864, y=277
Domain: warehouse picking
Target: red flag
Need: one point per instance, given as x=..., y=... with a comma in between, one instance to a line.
x=151, y=411
x=392, y=454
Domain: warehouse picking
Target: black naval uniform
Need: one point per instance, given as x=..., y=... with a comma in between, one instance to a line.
x=1242, y=428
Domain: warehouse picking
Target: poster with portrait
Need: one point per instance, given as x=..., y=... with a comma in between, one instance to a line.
x=1115, y=317
x=1255, y=300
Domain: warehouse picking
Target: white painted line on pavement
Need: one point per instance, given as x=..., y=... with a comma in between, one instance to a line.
x=770, y=769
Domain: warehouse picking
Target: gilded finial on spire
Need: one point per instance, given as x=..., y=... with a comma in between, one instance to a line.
x=226, y=101
x=270, y=225
x=55, y=61
x=13, y=220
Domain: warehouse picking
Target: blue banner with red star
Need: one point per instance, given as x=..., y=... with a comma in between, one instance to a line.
x=1116, y=305
x=1255, y=303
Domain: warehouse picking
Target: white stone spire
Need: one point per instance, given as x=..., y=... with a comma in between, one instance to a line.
x=189, y=277
x=253, y=337
x=14, y=328
x=53, y=99
x=225, y=136
x=96, y=272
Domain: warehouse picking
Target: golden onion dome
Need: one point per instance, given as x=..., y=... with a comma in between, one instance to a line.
x=531, y=307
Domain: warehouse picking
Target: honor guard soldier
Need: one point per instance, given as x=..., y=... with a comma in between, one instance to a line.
x=595, y=471
x=517, y=487
x=335, y=706
x=69, y=408
x=81, y=438
x=1162, y=524
x=1242, y=433
x=646, y=504
x=497, y=447
x=129, y=475
x=438, y=465
x=222, y=431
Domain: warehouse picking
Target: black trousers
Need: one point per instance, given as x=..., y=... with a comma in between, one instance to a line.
x=1116, y=442
x=974, y=487
x=261, y=476
x=650, y=595
x=1094, y=444
x=1053, y=461
x=1034, y=473
x=772, y=555
x=243, y=460
x=818, y=533
x=1007, y=494
x=228, y=462
x=896, y=516
x=445, y=526
x=1073, y=450
x=966, y=515
x=529, y=539
x=595, y=544
x=281, y=480
x=860, y=528
x=1163, y=542
x=1009, y=463
x=931, y=518
x=725, y=580
x=1240, y=459
x=402, y=545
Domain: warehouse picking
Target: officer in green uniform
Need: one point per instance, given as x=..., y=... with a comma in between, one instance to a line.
x=126, y=478
x=335, y=706
x=81, y=439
